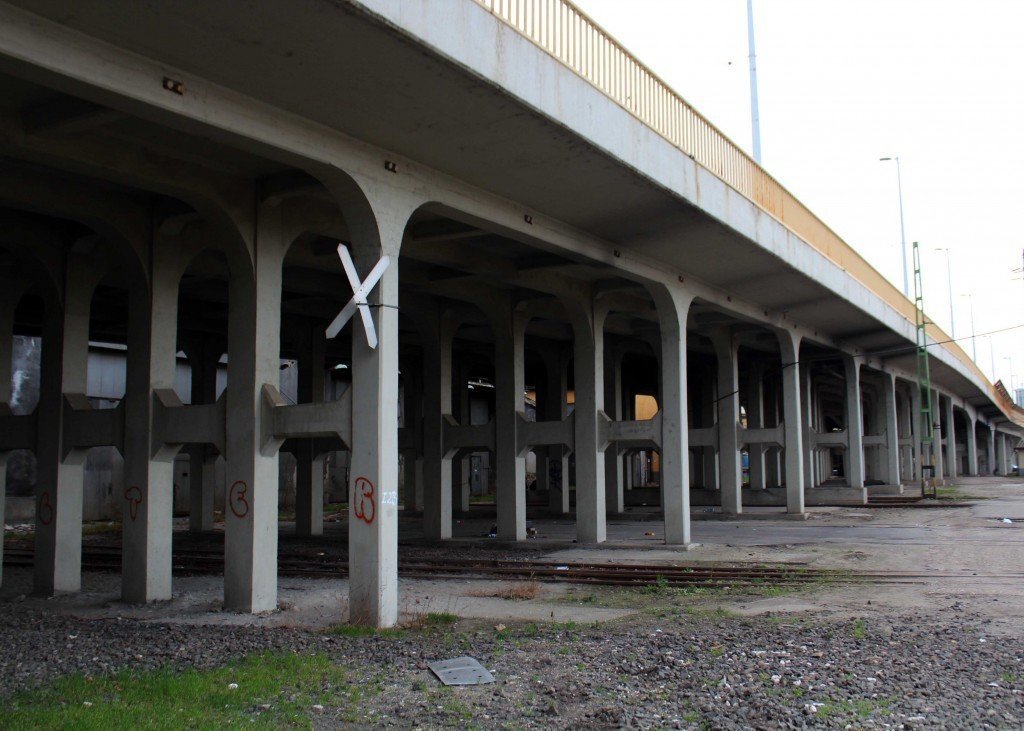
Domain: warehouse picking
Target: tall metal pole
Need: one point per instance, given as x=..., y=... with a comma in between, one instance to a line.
x=949, y=285
x=903, y=231
x=755, y=116
x=974, y=342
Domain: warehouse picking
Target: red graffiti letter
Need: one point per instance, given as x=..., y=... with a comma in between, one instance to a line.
x=134, y=497
x=363, y=504
x=45, y=509
x=236, y=499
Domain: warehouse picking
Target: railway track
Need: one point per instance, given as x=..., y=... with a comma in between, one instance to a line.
x=314, y=564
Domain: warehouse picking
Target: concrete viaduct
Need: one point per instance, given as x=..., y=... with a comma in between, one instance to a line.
x=176, y=177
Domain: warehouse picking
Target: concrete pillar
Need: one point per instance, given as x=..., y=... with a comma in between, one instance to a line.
x=253, y=476
x=413, y=420
x=951, y=466
x=587, y=320
x=730, y=469
x=807, y=423
x=708, y=407
x=891, y=427
x=9, y=297
x=755, y=420
x=60, y=476
x=937, y=460
x=854, y=423
x=373, y=486
x=437, y=329
x=614, y=491
x=509, y=403
x=789, y=352
x=309, y=466
x=460, y=467
x=972, y=446
x=148, y=510
x=673, y=307
x=991, y=450
x=203, y=352
x=1001, y=456
x=916, y=427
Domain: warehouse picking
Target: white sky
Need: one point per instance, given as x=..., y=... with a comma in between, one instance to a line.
x=841, y=83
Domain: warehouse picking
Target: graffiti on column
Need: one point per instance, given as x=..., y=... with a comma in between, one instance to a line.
x=45, y=509
x=133, y=496
x=363, y=501
x=236, y=499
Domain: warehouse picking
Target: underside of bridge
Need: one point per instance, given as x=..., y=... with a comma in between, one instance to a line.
x=541, y=327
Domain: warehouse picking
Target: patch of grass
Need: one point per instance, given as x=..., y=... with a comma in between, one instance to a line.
x=440, y=618
x=860, y=630
x=517, y=591
x=101, y=528
x=274, y=690
x=717, y=651
x=1008, y=677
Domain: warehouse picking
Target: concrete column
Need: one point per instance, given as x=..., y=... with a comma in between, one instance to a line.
x=951, y=466
x=147, y=511
x=373, y=488
x=854, y=423
x=755, y=420
x=730, y=469
x=891, y=426
x=673, y=307
x=916, y=427
x=413, y=420
x=807, y=423
x=253, y=476
x=1001, y=456
x=509, y=403
x=9, y=297
x=937, y=460
x=588, y=362
x=972, y=446
x=614, y=492
x=992, y=467
x=204, y=354
x=60, y=476
x=309, y=466
x=789, y=352
x=460, y=467
x=438, y=331
x=709, y=456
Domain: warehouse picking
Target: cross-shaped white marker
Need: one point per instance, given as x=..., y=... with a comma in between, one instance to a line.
x=360, y=289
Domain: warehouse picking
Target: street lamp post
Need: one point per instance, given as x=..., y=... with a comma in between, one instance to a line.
x=974, y=343
x=949, y=285
x=903, y=232
x=1010, y=358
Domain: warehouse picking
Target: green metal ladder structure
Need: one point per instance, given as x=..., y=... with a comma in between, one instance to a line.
x=925, y=442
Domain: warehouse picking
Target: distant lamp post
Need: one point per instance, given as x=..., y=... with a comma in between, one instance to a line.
x=1010, y=358
x=949, y=285
x=974, y=342
x=903, y=232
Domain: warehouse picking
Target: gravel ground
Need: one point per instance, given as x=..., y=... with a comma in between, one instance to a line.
x=665, y=668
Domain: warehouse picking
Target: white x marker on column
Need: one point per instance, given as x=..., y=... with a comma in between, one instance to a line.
x=359, y=292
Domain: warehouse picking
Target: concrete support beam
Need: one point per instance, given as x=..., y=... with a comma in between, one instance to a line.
x=891, y=429
x=437, y=329
x=10, y=294
x=373, y=488
x=204, y=353
x=937, y=460
x=755, y=420
x=789, y=352
x=60, y=477
x=461, y=476
x=807, y=423
x=309, y=466
x=614, y=488
x=972, y=446
x=952, y=468
x=587, y=318
x=992, y=465
x=1001, y=455
x=673, y=307
x=730, y=469
x=854, y=422
x=509, y=404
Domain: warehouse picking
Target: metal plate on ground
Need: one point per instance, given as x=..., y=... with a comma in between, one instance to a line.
x=461, y=671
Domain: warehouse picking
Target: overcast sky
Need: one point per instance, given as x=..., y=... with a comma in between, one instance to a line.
x=842, y=83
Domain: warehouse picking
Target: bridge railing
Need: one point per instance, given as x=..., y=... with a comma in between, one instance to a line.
x=566, y=33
